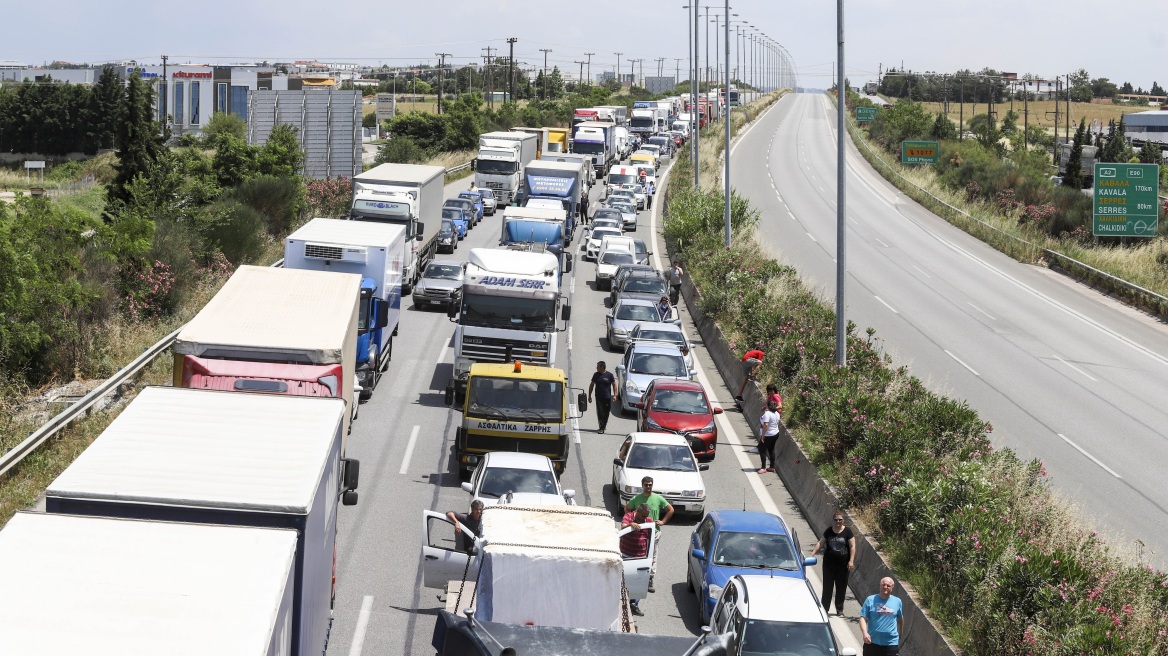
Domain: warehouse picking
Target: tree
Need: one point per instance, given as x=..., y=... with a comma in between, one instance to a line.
x=1080, y=86
x=1150, y=154
x=1116, y=149
x=369, y=120
x=905, y=120
x=106, y=108
x=943, y=128
x=1073, y=177
x=1157, y=90
x=1126, y=88
x=1101, y=87
x=1010, y=122
x=400, y=150
x=234, y=160
x=139, y=140
x=281, y=155
x=224, y=123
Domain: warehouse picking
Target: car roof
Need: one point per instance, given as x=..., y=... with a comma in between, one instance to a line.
x=465, y=194
x=650, y=273
x=605, y=229
x=755, y=521
x=517, y=460
x=778, y=599
x=626, y=300
x=678, y=384
x=658, y=348
x=664, y=327
x=658, y=438
x=458, y=201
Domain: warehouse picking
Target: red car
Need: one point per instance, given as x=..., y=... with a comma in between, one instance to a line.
x=682, y=407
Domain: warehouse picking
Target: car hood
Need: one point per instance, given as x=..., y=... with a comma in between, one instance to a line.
x=679, y=421
x=529, y=499
x=643, y=380
x=445, y=285
x=627, y=326
x=607, y=269
x=640, y=295
x=666, y=483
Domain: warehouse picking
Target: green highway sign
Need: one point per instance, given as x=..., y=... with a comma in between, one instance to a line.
x=1125, y=200
x=865, y=113
x=918, y=152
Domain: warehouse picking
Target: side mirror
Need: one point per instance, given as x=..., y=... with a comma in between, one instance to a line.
x=809, y=561
x=448, y=396
x=382, y=314
x=618, y=462
x=352, y=474
x=452, y=311
x=620, y=367
x=420, y=229
x=474, y=164
x=698, y=553
x=704, y=467
x=717, y=411
x=466, y=487
x=640, y=405
x=569, y=494
x=582, y=402
x=566, y=313
x=349, y=498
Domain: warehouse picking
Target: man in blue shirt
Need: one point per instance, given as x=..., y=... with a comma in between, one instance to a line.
x=882, y=621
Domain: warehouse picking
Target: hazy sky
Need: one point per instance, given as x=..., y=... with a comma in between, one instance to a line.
x=1044, y=37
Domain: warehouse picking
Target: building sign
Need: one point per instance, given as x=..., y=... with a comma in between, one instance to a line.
x=143, y=73
x=864, y=114
x=205, y=75
x=918, y=152
x=545, y=185
x=1125, y=200
x=386, y=106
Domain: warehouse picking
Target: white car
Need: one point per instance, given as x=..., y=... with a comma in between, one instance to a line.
x=525, y=479
x=767, y=612
x=624, y=193
x=628, y=214
x=592, y=249
x=669, y=461
x=607, y=264
x=640, y=195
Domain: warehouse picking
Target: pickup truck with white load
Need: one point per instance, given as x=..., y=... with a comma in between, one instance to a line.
x=249, y=338
x=410, y=195
x=510, y=302
x=217, y=458
x=108, y=587
x=374, y=251
x=598, y=140
x=500, y=162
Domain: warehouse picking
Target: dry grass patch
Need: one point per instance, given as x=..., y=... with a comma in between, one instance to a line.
x=1041, y=112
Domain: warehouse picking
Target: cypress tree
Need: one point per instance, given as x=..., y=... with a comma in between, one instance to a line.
x=138, y=141
x=1073, y=178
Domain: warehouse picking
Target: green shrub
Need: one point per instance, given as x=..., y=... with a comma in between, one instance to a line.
x=278, y=200
x=400, y=150
x=234, y=229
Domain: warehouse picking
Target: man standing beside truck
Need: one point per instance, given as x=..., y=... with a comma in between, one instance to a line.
x=473, y=521
x=635, y=543
x=660, y=511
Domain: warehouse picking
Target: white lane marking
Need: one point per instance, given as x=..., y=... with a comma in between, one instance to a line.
x=358, y=644
x=881, y=242
x=813, y=238
x=442, y=354
x=409, y=450
x=1092, y=458
x=569, y=338
x=923, y=273
x=573, y=285
x=575, y=430
x=885, y=304
x=792, y=215
x=991, y=317
x=962, y=363
x=1092, y=378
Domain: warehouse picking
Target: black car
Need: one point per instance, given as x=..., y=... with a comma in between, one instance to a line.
x=608, y=213
x=627, y=271
x=465, y=205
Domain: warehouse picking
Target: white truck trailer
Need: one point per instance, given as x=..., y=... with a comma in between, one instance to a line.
x=374, y=251
x=409, y=195
x=106, y=587
x=217, y=458
x=501, y=159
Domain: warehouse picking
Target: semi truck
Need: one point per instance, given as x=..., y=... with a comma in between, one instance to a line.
x=584, y=115
x=1087, y=162
x=560, y=182
x=548, y=140
x=643, y=120
x=217, y=458
x=374, y=251
x=410, y=195
x=584, y=160
x=510, y=301
x=524, y=227
x=106, y=587
x=251, y=338
x=598, y=140
x=501, y=159
x=618, y=114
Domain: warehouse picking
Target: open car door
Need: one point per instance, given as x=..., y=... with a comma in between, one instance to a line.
x=637, y=569
x=442, y=561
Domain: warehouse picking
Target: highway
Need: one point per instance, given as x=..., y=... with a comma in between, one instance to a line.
x=1063, y=373
x=404, y=437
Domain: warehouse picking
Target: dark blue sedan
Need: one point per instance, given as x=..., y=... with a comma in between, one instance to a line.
x=477, y=199
x=729, y=542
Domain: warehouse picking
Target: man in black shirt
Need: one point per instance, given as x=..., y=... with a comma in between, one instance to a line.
x=605, y=385
x=473, y=521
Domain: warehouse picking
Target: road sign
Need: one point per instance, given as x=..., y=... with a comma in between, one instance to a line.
x=1126, y=204
x=918, y=152
x=386, y=106
x=865, y=113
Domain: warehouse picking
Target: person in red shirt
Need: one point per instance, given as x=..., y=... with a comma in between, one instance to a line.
x=750, y=362
x=635, y=544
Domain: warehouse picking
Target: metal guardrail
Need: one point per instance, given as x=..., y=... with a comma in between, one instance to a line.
x=82, y=406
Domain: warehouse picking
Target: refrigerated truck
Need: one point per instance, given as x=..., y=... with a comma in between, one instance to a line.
x=108, y=587
x=374, y=251
x=275, y=331
x=217, y=458
x=409, y=195
x=500, y=162
x=598, y=140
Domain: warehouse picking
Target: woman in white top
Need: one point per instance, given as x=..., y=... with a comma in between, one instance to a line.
x=768, y=426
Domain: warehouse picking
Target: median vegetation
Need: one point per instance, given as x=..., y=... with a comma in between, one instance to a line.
x=1005, y=565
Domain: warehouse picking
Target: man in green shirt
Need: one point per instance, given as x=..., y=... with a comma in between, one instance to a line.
x=660, y=511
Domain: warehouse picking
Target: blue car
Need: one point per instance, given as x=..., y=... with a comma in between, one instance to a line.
x=460, y=219
x=729, y=542
x=477, y=199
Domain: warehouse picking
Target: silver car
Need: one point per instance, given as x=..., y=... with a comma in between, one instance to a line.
x=490, y=203
x=441, y=284
x=624, y=316
x=628, y=214
x=643, y=363
x=669, y=333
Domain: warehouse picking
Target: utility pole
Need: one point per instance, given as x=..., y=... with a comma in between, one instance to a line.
x=545, y=51
x=676, y=71
x=726, y=152
x=841, y=337
x=707, y=71
x=641, y=66
x=442, y=76
x=511, y=69
x=618, y=80
x=589, y=54
x=1026, y=115
x=632, y=72
x=164, y=94
x=490, y=80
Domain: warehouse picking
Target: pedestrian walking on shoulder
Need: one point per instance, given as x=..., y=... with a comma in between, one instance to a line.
x=660, y=511
x=604, y=383
x=750, y=363
x=473, y=521
x=838, y=545
x=675, y=274
x=635, y=543
x=768, y=432
x=882, y=621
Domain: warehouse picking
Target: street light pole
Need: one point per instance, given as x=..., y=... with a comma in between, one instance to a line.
x=618, y=80
x=726, y=152
x=545, y=52
x=841, y=337
x=589, y=67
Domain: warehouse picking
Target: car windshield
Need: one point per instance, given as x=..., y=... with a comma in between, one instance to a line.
x=437, y=271
x=762, y=550
x=498, y=481
x=617, y=257
x=638, y=189
x=663, y=336
x=624, y=208
x=516, y=313
x=515, y=399
x=611, y=224
x=452, y=213
x=662, y=457
x=460, y=203
x=487, y=193
x=621, y=178
x=688, y=402
x=805, y=639
x=658, y=364
x=585, y=147
x=495, y=167
x=645, y=286
x=471, y=196
x=640, y=248
x=447, y=225
x=606, y=213
x=637, y=313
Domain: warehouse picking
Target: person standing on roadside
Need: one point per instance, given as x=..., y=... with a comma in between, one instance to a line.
x=839, y=556
x=675, y=274
x=660, y=511
x=605, y=385
x=882, y=621
x=751, y=360
x=768, y=434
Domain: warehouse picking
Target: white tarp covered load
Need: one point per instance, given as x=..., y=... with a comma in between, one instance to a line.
x=526, y=575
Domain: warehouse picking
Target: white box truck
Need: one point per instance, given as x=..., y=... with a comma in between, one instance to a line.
x=501, y=159
x=108, y=587
x=275, y=331
x=410, y=195
x=374, y=251
x=207, y=457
